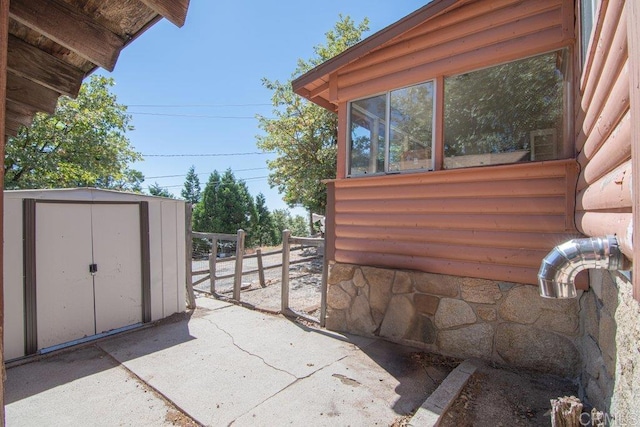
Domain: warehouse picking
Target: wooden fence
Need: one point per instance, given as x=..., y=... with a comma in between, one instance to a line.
x=288, y=245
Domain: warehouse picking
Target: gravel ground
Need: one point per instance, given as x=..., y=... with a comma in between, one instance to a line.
x=305, y=280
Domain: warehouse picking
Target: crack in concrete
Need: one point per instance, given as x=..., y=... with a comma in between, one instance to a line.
x=170, y=403
x=297, y=380
x=233, y=341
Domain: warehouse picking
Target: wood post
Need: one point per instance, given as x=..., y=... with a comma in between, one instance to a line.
x=212, y=265
x=4, y=37
x=285, y=270
x=237, y=283
x=565, y=412
x=323, y=287
x=260, y=267
x=191, y=298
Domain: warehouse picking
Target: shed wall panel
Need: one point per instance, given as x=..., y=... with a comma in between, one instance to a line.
x=13, y=280
x=169, y=257
x=155, y=255
x=603, y=203
x=418, y=220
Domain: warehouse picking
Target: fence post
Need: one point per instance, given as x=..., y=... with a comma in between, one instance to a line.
x=212, y=265
x=323, y=286
x=191, y=298
x=237, y=283
x=285, y=269
x=260, y=267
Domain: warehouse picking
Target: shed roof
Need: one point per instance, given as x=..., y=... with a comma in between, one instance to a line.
x=314, y=85
x=54, y=44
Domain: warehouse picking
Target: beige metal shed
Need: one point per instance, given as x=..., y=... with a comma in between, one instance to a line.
x=82, y=263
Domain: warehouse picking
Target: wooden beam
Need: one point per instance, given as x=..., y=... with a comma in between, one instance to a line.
x=23, y=119
x=317, y=91
x=174, y=10
x=12, y=127
x=633, y=28
x=34, y=64
x=4, y=33
x=18, y=109
x=70, y=28
x=31, y=94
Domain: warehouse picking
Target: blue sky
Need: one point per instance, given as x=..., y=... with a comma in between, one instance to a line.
x=197, y=89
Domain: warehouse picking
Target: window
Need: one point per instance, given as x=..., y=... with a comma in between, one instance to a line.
x=392, y=132
x=505, y=114
x=587, y=18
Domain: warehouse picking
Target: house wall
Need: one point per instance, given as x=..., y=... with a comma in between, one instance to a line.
x=609, y=315
x=471, y=36
x=603, y=132
x=459, y=316
x=166, y=244
x=494, y=223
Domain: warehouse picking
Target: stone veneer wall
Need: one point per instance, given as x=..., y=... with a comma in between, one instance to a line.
x=463, y=317
x=610, y=347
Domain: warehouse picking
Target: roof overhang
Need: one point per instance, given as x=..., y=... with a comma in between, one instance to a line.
x=315, y=84
x=54, y=44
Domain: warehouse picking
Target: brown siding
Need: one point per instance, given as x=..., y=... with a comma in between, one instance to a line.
x=603, y=132
x=469, y=37
x=492, y=222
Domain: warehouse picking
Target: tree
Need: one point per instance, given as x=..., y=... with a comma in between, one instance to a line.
x=282, y=220
x=263, y=229
x=83, y=144
x=225, y=207
x=304, y=135
x=191, y=191
x=156, y=190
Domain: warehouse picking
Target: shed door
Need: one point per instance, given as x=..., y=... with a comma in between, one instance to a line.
x=116, y=251
x=64, y=292
x=71, y=303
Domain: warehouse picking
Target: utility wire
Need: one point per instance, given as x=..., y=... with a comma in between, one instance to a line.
x=209, y=154
x=255, y=178
x=198, y=116
x=201, y=173
x=196, y=105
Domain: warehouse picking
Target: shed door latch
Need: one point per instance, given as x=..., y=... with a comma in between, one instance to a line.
x=93, y=269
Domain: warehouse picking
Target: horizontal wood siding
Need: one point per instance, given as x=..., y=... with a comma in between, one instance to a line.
x=603, y=133
x=472, y=36
x=492, y=222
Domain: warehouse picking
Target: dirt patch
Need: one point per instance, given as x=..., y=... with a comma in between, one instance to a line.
x=176, y=418
x=499, y=396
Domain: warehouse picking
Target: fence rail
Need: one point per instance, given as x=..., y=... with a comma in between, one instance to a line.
x=288, y=245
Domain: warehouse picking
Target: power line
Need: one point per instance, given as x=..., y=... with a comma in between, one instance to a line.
x=255, y=178
x=201, y=173
x=209, y=154
x=198, y=116
x=196, y=105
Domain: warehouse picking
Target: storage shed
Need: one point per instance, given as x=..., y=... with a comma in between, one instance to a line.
x=85, y=262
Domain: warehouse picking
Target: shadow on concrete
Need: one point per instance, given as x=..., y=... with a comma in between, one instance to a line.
x=37, y=374
x=414, y=381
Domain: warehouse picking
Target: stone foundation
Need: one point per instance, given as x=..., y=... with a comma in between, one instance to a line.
x=610, y=347
x=462, y=317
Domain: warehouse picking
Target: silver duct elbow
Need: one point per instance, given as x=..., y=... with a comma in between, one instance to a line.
x=560, y=267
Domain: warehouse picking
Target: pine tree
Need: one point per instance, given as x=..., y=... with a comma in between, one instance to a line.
x=191, y=191
x=264, y=232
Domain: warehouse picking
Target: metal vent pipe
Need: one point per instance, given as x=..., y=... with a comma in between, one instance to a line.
x=560, y=267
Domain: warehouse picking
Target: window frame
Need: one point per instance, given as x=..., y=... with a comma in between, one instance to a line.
x=387, y=132
x=437, y=130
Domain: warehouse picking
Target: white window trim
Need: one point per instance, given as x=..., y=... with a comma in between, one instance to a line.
x=387, y=133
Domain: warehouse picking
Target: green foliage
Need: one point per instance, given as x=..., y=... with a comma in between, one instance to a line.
x=191, y=191
x=83, y=144
x=156, y=190
x=282, y=220
x=226, y=205
x=263, y=230
x=304, y=135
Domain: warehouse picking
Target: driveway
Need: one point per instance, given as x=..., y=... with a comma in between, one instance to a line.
x=222, y=365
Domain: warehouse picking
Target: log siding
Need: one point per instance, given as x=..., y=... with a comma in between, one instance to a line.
x=494, y=222
x=603, y=132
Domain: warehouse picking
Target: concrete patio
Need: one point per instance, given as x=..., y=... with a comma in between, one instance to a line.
x=222, y=365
